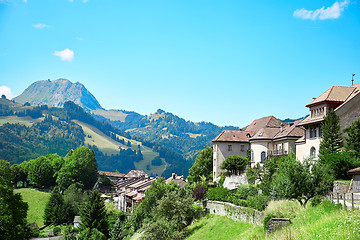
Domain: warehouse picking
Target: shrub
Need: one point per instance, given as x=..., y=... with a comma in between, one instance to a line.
x=56, y=230
x=235, y=164
x=244, y=191
x=315, y=200
x=218, y=194
x=258, y=202
x=340, y=163
x=199, y=192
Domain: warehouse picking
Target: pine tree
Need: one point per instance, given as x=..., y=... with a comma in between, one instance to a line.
x=93, y=213
x=353, y=139
x=331, y=141
x=56, y=210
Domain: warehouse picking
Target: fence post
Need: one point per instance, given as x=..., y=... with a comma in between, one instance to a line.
x=352, y=200
x=337, y=194
x=331, y=197
x=345, y=202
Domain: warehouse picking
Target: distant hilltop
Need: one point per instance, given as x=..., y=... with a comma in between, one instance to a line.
x=56, y=93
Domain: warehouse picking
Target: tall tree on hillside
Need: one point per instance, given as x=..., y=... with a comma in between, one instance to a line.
x=331, y=141
x=203, y=166
x=57, y=211
x=93, y=213
x=41, y=172
x=13, y=210
x=353, y=138
x=80, y=167
x=18, y=174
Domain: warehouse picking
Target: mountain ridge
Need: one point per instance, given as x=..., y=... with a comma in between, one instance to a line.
x=56, y=93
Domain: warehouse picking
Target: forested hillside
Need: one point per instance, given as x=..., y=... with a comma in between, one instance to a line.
x=166, y=129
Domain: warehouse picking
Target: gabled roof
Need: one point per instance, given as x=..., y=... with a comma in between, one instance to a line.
x=111, y=174
x=266, y=133
x=135, y=173
x=291, y=130
x=355, y=171
x=333, y=94
x=233, y=136
x=269, y=121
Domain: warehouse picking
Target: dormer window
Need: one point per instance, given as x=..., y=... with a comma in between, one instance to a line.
x=260, y=134
x=248, y=135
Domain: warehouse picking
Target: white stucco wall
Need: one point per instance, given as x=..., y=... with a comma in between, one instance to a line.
x=257, y=147
x=221, y=153
x=303, y=150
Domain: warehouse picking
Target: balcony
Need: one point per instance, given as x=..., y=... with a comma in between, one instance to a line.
x=277, y=152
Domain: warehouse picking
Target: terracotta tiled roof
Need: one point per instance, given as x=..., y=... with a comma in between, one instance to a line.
x=291, y=130
x=333, y=94
x=269, y=121
x=355, y=171
x=266, y=133
x=111, y=174
x=234, y=136
x=135, y=173
x=308, y=120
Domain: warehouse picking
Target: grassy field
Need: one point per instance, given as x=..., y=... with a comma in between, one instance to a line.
x=113, y=115
x=103, y=142
x=36, y=200
x=27, y=121
x=110, y=146
x=325, y=221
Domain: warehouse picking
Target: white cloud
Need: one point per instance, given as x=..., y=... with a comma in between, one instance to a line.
x=25, y=1
x=6, y=91
x=39, y=25
x=85, y=1
x=323, y=13
x=65, y=55
x=79, y=38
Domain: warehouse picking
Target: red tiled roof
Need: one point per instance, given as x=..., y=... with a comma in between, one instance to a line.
x=269, y=121
x=291, y=130
x=111, y=174
x=333, y=94
x=355, y=171
x=234, y=136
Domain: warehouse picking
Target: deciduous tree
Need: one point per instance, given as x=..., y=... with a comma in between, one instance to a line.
x=203, y=166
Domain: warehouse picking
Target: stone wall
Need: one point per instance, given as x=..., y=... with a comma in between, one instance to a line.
x=234, y=181
x=340, y=187
x=236, y=213
x=276, y=223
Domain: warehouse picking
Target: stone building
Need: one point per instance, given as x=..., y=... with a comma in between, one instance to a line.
x=346, y=103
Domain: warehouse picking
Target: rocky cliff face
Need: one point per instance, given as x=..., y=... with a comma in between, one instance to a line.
x=55, y=93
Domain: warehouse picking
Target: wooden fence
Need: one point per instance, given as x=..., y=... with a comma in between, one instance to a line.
x=348, y=200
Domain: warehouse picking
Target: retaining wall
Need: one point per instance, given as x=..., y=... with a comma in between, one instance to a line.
x=236, y=213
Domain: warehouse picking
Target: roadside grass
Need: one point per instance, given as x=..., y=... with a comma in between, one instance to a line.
x=324, y=221
x=213, y=227
x=37, y=201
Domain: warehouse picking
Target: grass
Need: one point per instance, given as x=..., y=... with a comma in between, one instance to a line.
x=27, y=121
x=214, y=227
x=113, y=115
x=110, y=146
x=36, y=200
x=325, y=221
x=103, y=142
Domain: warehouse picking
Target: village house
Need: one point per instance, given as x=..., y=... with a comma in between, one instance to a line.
x=229, y=143
x=113, y=176
x=346, y=103
x=355, y=181
x=264, y=137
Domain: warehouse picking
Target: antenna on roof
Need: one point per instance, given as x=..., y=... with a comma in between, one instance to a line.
x=352, y=79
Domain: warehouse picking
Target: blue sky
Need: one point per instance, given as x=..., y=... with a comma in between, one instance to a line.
x=226, y=62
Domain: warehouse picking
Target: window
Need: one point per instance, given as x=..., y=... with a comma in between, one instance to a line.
x=242, y=148
x=252, y=156
x=263, y=156
x=312, y=152
x=229, y=148
x=313, y=132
